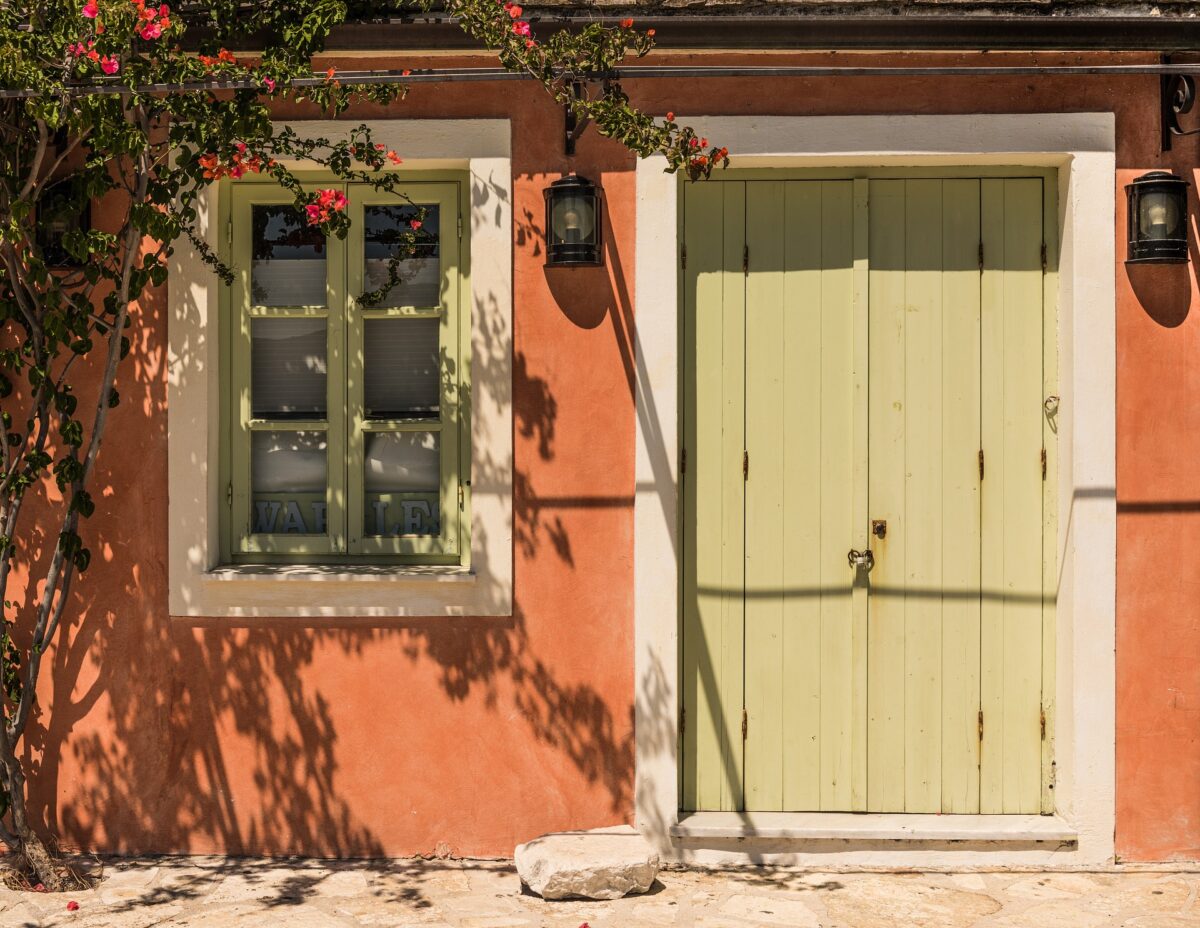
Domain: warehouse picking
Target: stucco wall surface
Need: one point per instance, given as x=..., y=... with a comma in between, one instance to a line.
x=391, y=737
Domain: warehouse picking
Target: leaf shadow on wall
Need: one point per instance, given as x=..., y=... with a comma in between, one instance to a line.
x=158, y=734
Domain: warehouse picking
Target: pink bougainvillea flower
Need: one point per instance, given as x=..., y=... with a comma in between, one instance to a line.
x=269, y=83
x=414, y=224
x=394, y=158
x=151, y=31
x=515, y=11
x=72, y=906
x=91, y=10
x=109, y=65
x=314, y=213
x=695, y=143
x=627, y=24
x=521, y=28
x=529, y=43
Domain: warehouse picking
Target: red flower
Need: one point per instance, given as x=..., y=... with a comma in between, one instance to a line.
x=521, y=28
x=394, y=158
x=650, y=32
x=515, y=11
x=109, y=65
x=90, y=9
x=704, y=143
x=670, y=117
x=414, y=223
x=151, y=31
x=627, y=24
x=72, y=906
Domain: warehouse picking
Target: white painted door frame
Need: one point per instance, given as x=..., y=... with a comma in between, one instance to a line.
x=1081, y=146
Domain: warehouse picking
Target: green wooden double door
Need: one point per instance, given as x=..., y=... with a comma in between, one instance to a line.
x=868, y=365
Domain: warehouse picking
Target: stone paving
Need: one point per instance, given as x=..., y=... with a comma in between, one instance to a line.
x=226, y=893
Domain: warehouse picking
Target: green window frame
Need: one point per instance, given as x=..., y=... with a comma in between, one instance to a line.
x=358, y=524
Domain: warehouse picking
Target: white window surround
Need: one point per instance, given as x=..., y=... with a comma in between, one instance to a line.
x=1082, y=147
x=199, y=586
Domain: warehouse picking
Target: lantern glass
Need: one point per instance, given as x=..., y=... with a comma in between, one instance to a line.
x=574, y=230
x=573, y=220
x=1158, y=219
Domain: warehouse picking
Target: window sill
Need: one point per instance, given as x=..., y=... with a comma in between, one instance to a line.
x=341, y=590
x=335, y=573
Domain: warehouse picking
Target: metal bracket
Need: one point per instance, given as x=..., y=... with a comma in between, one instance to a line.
x=1177, y=96
x=574, y=125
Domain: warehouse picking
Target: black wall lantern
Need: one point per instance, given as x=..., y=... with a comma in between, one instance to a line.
x=1158, y=219
x=574, y=227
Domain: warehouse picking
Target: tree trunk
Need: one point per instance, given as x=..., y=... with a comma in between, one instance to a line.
x=28, y=849
x=39, y=861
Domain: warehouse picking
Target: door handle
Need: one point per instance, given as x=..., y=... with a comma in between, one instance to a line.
x=861, y=560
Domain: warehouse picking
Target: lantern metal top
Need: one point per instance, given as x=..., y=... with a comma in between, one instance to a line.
x=1155, y=178
x=569, y=184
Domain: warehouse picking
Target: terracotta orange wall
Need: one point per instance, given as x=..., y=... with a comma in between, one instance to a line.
x=355, y=737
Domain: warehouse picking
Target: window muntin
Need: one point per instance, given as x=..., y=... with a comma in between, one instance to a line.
x=344, y=419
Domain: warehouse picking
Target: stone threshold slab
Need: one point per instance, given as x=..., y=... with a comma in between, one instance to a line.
x=875, y=826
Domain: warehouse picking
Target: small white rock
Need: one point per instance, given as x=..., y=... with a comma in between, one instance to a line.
x=607, y=863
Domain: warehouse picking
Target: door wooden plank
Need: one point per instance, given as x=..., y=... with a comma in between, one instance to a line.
x=713, y=582
x=921, y=454
x=860, y=420
x=799, y=486
x=770, y=422
x=886, y=640
x=836, y=633
x=1050, y=423
x=960, y=497
x=1011, y=503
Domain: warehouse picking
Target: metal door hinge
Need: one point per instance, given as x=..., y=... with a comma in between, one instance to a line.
x=682, y=719
x=745, y=724
x=746, y=259
x=981, y=256
x=462, y=497
x=683, y=460
x=1042, y=720
x=745, y=465
x=980, y=724
x=1043, y=463
x=460, y=227
x=683, y=255
x=1043, y=257
x=229, y=494
x=980, y=463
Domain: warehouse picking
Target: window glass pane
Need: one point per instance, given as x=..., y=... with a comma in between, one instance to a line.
x=384, y=228
x=287, y=482
x=288, y=263
x=401, y=375
x=402, y=479
x=287, y=374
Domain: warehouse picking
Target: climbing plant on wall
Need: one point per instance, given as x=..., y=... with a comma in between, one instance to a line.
x=105, y=102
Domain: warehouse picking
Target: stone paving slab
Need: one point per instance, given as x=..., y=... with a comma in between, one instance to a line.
x=191, y=892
